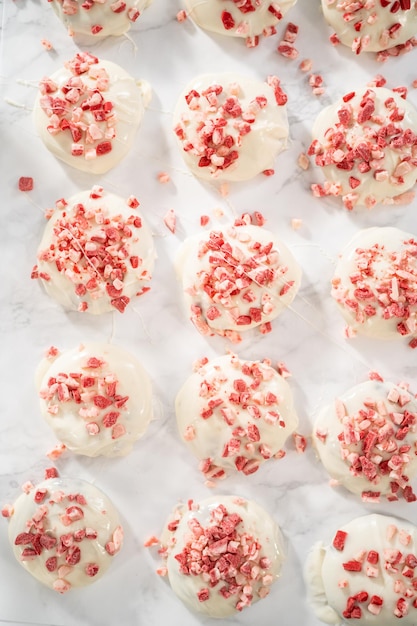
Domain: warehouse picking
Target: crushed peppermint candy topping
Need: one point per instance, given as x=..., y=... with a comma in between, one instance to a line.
x=95, y=392
x=369, y=150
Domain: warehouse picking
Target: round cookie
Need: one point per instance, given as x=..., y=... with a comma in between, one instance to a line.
x=234, y=414
x=366, y=26
x=367, y=574
x=96, y=252
x=236, y=279
x=375, y=284
x=367, y=440
x=87, y=112
x=231, y=127
x=97, y=398
x=64, y=532
x=98, y=18
x=222, y=554
x=366, y=145
x=234, y=18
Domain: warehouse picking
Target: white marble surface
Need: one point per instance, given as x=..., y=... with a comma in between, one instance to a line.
x=308, y=337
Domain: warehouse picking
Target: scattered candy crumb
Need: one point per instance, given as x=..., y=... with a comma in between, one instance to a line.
x=46, y=44
x=164, y=177
x=303, y=161
x=56, y=452
x=181, y=16
x=170, y=220
x=25, y=183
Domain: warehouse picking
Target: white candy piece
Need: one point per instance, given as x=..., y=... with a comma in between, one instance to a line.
x=87, y=113
x=369, y=145
x=236, y=279
x=358, y=432
x=371, y=26
x=255, y=569
x=96, y=253
x=238, y=19
x=100, y=402
x=98, y=18
x=380, y=592
x=77, y=532
x=244, y=128
x=235, y=414
x=375, y=283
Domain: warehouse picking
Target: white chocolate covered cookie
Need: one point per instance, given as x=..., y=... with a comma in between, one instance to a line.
x=366, y=145
x=367, y=440
x=87, y=113
x=236, y=279
x=234, y=414
x=375, y=284
x=96, y=252
x=371, y=25
x=236, y=18
x=367, y=575
x=97, y=398
x=230, y=127
x=222, y=554
x=64, y=532
x=98, y=18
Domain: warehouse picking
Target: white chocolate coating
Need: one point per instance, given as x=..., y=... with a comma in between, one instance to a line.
x=227, y=294
x=359, y=439
x=84, y=532
x=105, y=253
x=255, y=523
x=98, y=19
x=250, y=20
x=367, y=26
x=99, y=410
x=94, y=139
x=235, y=414
x=330, y=584
x=258, y=133
x=367, y=147
x=375, y=283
